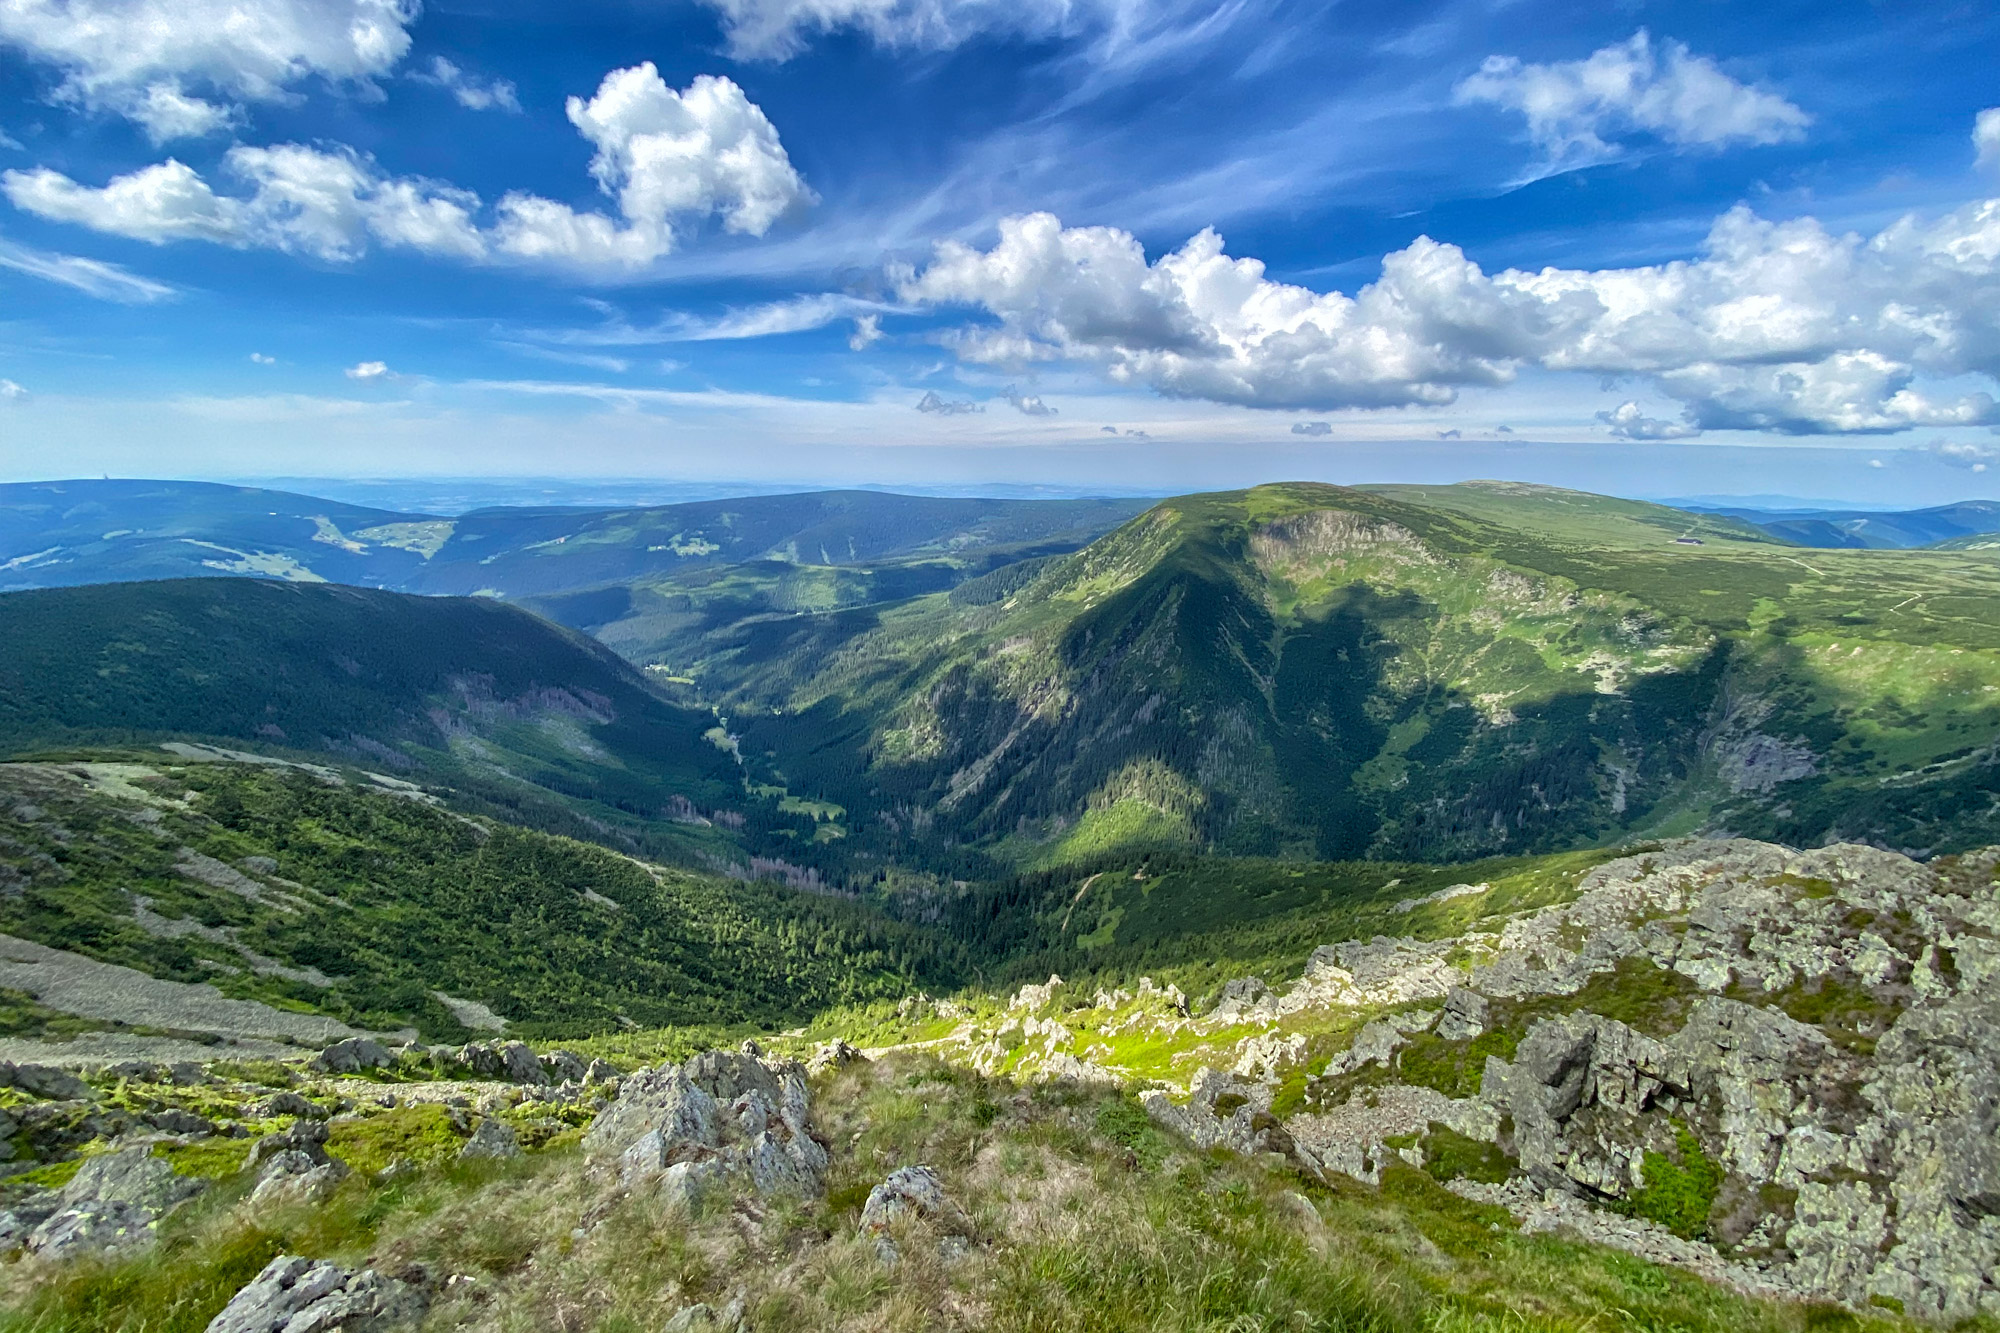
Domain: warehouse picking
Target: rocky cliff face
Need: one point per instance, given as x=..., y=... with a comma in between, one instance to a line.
x=1779, y=1067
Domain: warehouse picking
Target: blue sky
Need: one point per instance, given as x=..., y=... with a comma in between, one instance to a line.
x=1663, y=249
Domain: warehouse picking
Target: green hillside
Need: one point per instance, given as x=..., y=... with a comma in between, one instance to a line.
x=290, y=887
x=515, y=714
x=1421, y=673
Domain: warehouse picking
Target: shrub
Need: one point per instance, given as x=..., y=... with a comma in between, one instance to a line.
x=1677, y=1194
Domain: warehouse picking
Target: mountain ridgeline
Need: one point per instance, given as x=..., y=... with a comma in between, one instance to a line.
x=1407, y=672
x=59, y=534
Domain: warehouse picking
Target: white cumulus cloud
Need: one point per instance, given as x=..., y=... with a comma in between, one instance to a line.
x=181, y=68
x=469, y=91
x=1578, y=109
x=326, y=203
x=662, y=155
x=1959, y=453
x=260, y=359
x=1777, y=326
x=1986, y=137
x=9, y=390
x=368, y=370
x=1627, y=422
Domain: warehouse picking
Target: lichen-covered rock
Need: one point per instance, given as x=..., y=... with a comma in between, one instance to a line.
x=519, y=1064
x=1465, y=1014
x=173, y=1120
x=94, y=1226
x=564, y=1067
x=704, y=1318
x=134, y=1176
x=724, y=1119
x=492, y=1141
x=293, y=1177
x=1245, y=998
x=112, y=1202
x=1222, y=1111
x=296, y=1295
x=912, y=1192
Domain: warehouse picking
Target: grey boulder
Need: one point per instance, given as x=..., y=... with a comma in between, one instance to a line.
x=493, y=1140
x=353, y=1056
x=296, y=1295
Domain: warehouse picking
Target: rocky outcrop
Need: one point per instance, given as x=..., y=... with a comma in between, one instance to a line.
x=295, y=1295
x=113, y=1202
x=722, y=1120
x=1222, y=1111
x=1808, y=1042
x=293, y=1166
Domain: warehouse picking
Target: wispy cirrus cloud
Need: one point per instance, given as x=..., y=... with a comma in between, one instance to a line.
x=92, y=277
x=799, y=314
x=469, y=90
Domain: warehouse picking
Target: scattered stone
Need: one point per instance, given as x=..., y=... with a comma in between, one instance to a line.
x=1222, y=1111
x=57, y=1085
x=707, y=1319
x=297, y=1295
x=600, y=1071
x=173, y=1120
x=288, y=1103
x=1037, y=997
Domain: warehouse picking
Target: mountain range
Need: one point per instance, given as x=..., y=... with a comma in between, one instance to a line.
x=851, y=685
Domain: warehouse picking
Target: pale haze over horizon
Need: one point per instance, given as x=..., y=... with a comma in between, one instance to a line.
x=1661, y=250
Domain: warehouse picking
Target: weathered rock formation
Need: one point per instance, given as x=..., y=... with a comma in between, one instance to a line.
x=724, y=1119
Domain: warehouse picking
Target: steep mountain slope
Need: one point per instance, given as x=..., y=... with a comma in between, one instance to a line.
x=64, y=533
x=1863, y=529
x=288, y=886
x=513, y=712
x=1408, y=672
